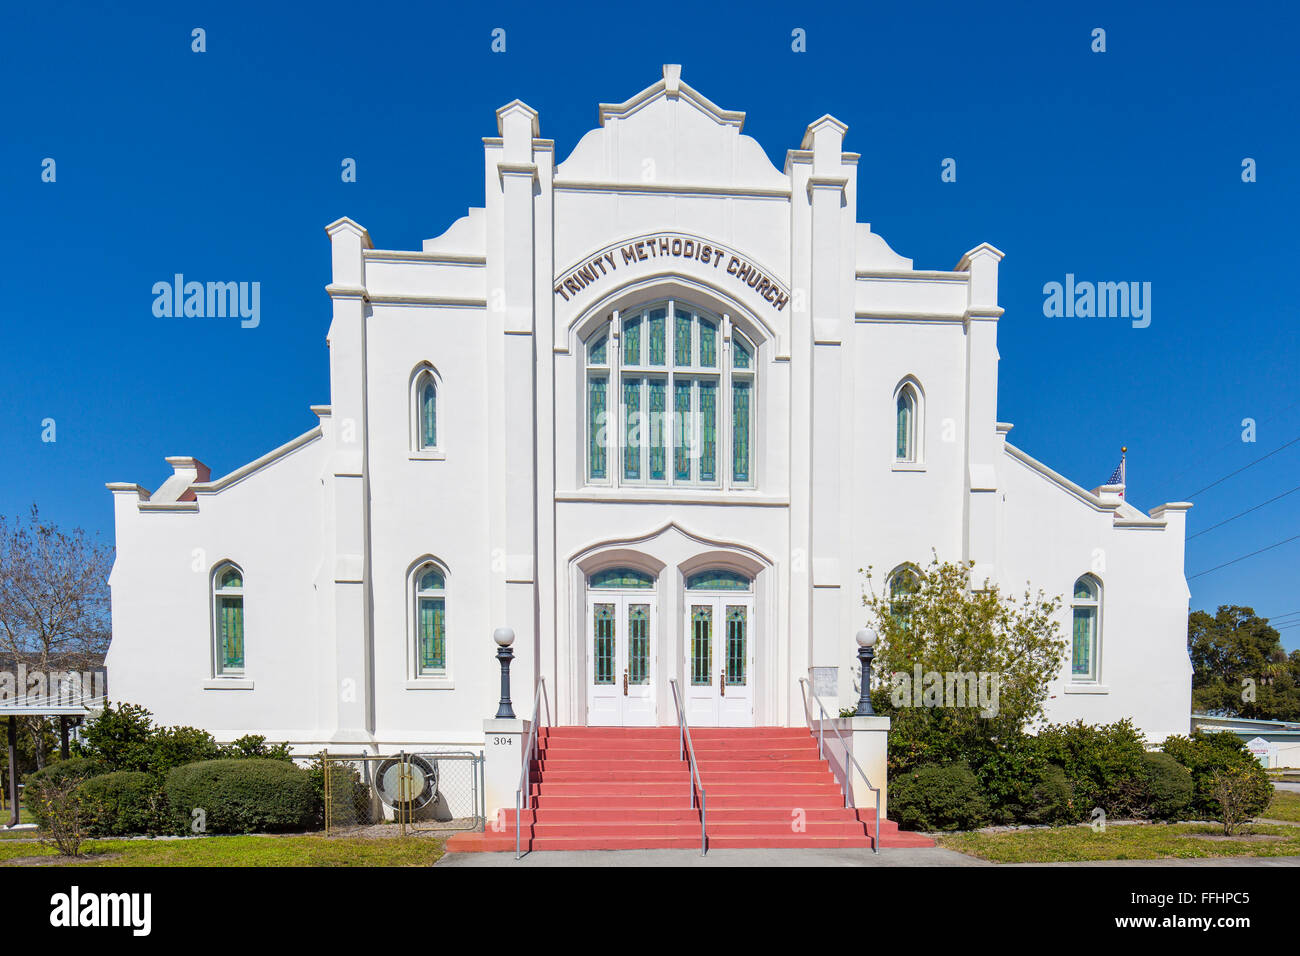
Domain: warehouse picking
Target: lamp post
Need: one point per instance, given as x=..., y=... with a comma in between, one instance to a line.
x=505, y=636
x=866, y=651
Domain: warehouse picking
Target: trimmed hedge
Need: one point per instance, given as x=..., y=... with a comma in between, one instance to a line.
x=53, y=773
x=242, y=796
x=938, y=797
x=1168, y=787
x=123, y=802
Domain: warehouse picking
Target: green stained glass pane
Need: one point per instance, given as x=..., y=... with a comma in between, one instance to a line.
x=603, y=648
x=429, y=416
x=658, y=413
x=682, y=430
x=740, y=355
x=632, y=435
x=638, y=644
x=903, y=439
x=433, y=641
x=741, y=392
x=708, y=431
x=596, y=413
x=623, y=578
x=431, y=580
x=230, y=614
x=701, y=645
x=737, y=647
x=682, y=338
x=657, y=340
x=708, y=344
x=1083, y=589
x=597, y=353
x=632, y=340
x=718, y=580
x=1085, y=629
x=231, y=578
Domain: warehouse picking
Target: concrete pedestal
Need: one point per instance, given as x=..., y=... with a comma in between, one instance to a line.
x=868, y=740
x=503, y=753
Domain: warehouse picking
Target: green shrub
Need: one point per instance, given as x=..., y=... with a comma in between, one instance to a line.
x=242, y=796
x=55, y=774
x=170, y=747
x=1205, y=754
x=255, y=745
x=1168, y=786
x=125, y=802
x=1052, y=800
x=120, y=736
x=938, y=797
x=1102, y=762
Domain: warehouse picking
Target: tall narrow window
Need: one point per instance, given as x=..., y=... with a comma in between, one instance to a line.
x=228, y=620
x=742, y=401
x=430, y=622
x=597, y=406
x=903, y=584
x=905, y=419
x=424, y=410
x=1086, y=614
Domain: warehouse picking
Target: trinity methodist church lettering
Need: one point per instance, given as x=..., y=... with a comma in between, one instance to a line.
x=663, y=246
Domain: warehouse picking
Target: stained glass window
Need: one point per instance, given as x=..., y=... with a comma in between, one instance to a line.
x=658, y=347
x=718, y=580
x=638, y=644
x=228, y=608
x=596, y=467
x=740, y=431
x=681, y=337
x=603, y=649
x=430, y=622
x=658, y=427
x=737, y=644
x=623, y=578
x=708, y=430
x=682, y=429
x=1086, y=609
x=632, y=340
x=429, y=413
x=708, y=343
x=632, y=423
x=904, y=435
x=701, y=645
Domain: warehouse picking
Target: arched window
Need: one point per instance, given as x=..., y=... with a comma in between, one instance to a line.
x=903, y=582
x=719, y=579
x=620, y=578
x=1086, y=628
x=907, y=416
x=430, y=621
x=228, y=620
x=667, y=407
x=425, y=411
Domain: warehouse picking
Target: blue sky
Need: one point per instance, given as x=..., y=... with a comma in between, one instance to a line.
x=1115, y=166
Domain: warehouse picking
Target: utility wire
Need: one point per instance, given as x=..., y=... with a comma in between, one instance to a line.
x=1243, y=513
x=1244, y=467
x=1230, y=444
x=1245, y=556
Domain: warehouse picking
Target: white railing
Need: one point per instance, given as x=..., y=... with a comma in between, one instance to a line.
x=524, y=793
x=686, y=751
x=849, y=759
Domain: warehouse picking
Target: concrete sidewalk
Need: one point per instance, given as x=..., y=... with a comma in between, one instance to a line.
x=909, y=856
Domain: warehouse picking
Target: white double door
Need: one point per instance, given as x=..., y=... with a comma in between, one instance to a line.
x=719, y=649
x=621, y=660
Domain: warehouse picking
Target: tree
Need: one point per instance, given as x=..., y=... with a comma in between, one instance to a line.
x=54, y=603
x=1239, y=668
x=937, y=624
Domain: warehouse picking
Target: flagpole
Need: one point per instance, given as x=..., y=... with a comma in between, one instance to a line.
x=1123, y=466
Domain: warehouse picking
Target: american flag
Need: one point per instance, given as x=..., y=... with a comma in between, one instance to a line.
x=1117, y=476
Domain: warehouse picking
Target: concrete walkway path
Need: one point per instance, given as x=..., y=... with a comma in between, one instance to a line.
x=901, y=856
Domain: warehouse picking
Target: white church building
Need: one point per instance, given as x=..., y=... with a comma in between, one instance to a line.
x=652, y=407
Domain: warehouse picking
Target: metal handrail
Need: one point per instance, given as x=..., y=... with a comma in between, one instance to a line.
x=848, y=753
x=523, y=793
x=687, y=750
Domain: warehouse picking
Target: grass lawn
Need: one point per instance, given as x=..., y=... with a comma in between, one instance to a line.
x=1139, y=841
x=1285, y=806
x=241, y=851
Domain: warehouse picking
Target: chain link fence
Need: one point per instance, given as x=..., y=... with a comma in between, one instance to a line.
x=414, y=792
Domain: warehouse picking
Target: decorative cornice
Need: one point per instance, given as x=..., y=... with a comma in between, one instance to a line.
x=757, y=192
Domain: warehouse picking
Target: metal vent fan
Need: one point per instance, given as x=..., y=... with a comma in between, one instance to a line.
x=413, y=793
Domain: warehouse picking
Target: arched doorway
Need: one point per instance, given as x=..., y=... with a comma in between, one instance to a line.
x=719, y=649
x=622, y=670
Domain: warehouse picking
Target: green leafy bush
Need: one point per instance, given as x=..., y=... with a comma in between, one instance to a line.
x=1205, y=754
x=125, y=802
x=120, y=736
x=54, y=776
x=255, y=745
x=938, y=797
x=1102, y=762
x=170, y=747
x=242, y=796
x=1168, y=787
x=1052, y=801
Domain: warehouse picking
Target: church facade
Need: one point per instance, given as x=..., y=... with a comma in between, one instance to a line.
x=651, y=407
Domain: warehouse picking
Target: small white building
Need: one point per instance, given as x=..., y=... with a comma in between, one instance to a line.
x=653, y=407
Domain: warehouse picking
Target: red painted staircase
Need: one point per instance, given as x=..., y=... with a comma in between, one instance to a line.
x=615, y=788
